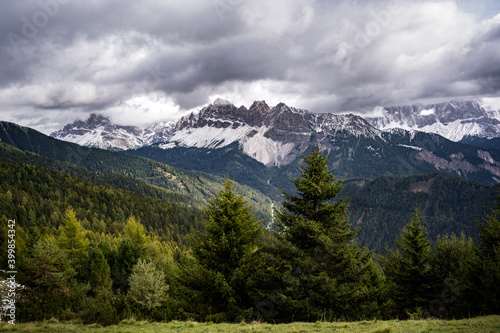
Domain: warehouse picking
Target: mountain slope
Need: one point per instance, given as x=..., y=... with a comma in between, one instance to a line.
x=45, y=194
x=199, y=187
x=449, y=204
x=273, y=136
x=276, y=137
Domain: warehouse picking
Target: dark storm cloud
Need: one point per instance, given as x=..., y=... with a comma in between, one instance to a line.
x=72, y=57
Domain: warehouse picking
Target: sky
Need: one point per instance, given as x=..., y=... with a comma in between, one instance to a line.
x=142, y=62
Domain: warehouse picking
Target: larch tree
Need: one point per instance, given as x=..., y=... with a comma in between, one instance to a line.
x=72, y=238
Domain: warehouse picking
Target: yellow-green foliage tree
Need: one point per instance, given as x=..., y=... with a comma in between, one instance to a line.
x=72, y=238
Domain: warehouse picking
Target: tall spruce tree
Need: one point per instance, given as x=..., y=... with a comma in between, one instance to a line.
x=407, y=268
x=215, y=281
x=486, y=272
x=325, y=274
x=450, y=263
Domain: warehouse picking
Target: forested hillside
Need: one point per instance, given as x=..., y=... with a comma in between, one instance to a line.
x=449, y=204
x=38, y=197
x=198, y=186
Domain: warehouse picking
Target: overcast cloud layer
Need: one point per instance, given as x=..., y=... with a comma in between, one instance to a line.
x=145, y=61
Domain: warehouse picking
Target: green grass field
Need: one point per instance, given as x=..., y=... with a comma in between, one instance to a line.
x=480, y=324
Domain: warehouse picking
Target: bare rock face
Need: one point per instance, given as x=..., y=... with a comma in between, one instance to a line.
x=273, y=136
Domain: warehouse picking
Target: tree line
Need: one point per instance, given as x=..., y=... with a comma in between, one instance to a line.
x=311, y=268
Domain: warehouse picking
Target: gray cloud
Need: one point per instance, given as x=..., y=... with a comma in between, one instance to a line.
x=61, y=59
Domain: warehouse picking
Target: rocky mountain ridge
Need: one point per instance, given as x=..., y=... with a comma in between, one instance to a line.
x=277, y=136
x=271, y=135
x=454, y=120
x=99, y=132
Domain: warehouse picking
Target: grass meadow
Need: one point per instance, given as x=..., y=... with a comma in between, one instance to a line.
x=488, y=324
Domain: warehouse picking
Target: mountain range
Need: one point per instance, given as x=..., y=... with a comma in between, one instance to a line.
x=98, y=132
x=380, y=206
x=259, y=146
x=454, y=120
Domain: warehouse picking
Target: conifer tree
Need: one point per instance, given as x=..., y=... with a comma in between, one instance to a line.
x=98, y=271
x=72, y=239
x=231, y=233
x=329, y=276
x=135, y=232
x=48, y=268
x=486, y=274
x=95, y=271
x=450, y=263
x=214, y=282
x=48, y=277
x=147, y=285
x=122, y=261
x=407, y=268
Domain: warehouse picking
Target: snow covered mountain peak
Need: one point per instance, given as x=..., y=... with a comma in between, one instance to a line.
x=221, y=102
x=277, y=135
x=454, y=120
x=273, y=136
x=98, y=131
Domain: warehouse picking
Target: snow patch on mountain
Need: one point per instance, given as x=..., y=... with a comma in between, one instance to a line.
x=209, y=137
x=98, y=132
x=427, y=112
x=410, y=147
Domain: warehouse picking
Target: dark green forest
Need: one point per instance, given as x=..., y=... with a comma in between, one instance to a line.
x=102, y=247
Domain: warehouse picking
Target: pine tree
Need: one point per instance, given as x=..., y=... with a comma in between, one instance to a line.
x=231, y=233
x=486, y=274
x=98, y=304
x=407, y=268
x=328, y=276
x=122, y=261
x=48, y=268
x=135, y=232
x=48, y=277
x=99, y=273
x=450, y=264
x=213, y=282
